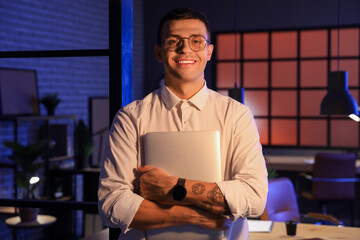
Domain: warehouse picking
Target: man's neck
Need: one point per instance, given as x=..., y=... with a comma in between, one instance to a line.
x=185, y=90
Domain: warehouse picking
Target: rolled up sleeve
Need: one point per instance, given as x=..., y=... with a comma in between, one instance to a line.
x=118, y=203
x=246, y=186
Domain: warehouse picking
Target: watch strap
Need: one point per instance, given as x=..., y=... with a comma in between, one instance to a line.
x=181, y=181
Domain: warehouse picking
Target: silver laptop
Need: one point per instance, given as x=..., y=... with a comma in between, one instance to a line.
x=192, y=155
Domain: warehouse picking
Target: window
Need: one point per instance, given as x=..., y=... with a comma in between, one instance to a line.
x=285, y=74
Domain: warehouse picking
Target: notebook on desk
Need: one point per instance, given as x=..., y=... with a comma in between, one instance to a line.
x=260, y=225
x=191, y=155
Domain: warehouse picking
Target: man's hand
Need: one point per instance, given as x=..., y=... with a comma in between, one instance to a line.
x=155, y=183
x=207, y=219
x=151, y=215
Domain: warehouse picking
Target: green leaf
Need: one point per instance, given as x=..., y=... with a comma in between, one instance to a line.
x=85, y=143
x=36, y=150
x=15, y=146
x=272, y=173
x=25, y=156
x=22, y=180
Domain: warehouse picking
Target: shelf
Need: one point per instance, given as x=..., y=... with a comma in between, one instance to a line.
x=62, y=158
x=7, y=210
x=61, y=130
x=36, y=118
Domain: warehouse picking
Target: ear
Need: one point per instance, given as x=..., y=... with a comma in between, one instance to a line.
x=158, y=54
x=210, y=51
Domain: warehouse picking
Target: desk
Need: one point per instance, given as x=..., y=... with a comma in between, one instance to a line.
x=309, y=231
x=295, y=164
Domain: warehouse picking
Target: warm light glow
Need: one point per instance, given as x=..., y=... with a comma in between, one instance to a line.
x=34, y=180
x=354, y=117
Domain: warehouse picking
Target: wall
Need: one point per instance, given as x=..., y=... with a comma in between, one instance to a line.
x=138, y=49
x=54, y=25
x=252, y=15
x=61, y=25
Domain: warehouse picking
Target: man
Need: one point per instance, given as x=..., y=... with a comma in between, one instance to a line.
x=131, y=195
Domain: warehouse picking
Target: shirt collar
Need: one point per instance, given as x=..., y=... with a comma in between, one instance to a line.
x=198, y=100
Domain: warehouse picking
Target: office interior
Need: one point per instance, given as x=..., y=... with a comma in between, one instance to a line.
x=96, y=56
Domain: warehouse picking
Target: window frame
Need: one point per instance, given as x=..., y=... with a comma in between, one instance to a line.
x=298, y=59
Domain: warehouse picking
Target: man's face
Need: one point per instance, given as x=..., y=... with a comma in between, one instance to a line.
x=184, y=64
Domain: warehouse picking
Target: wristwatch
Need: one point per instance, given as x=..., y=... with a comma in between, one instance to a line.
x=179, y=191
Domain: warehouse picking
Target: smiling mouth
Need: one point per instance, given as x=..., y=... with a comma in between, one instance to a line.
x=185, y=61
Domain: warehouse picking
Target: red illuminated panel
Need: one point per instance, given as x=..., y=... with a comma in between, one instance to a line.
x=284, y=44
x=313, y=43
x=283, y=132
x=256, y=45
x=225, y=75
x=310, y=102
x=225, y=46
x=344, y=133
x=283, y=103
x=349, y=42
x=256, y=74
x=313, y=132
x=313, y=73
x=263, y=128
x=257, y=101
x=351, y=66
x=284, y=74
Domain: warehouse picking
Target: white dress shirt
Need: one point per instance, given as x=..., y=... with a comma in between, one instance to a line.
x=244, y=174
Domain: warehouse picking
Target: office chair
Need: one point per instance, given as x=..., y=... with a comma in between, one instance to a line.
x=281, y=205
x=332, y=179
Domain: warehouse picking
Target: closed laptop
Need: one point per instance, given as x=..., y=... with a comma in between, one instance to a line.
x=191, y=155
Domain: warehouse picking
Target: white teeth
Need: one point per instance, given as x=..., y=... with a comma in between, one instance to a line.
x=186, y=61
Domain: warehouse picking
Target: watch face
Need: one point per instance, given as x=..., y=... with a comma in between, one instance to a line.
x=179, y=192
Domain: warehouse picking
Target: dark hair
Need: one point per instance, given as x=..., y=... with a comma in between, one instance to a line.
x=180, y=14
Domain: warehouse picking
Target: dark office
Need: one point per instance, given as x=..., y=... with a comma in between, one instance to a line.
x=68, y=67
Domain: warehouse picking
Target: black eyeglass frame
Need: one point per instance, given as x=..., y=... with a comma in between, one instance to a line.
x=180, y=43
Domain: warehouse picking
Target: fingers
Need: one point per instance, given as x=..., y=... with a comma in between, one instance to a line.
x=208, y=220
x=220, y=224
x=144, y=169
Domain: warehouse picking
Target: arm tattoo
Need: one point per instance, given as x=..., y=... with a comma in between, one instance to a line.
x=216, y=196
x=198, y=188
x=207, y=206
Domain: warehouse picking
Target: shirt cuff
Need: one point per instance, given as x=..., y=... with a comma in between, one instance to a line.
x=226, y=187
x=125, y=209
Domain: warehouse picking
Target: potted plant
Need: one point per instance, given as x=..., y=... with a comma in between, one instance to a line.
x=27, y=158
x=272, y=173
x=50, y=101
x=85, y=144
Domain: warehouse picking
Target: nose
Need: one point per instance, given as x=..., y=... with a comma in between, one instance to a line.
x=184, y=45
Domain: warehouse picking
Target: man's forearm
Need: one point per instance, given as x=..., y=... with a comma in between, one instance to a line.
x=156, y=185
x=207, y=196
x=151, y=215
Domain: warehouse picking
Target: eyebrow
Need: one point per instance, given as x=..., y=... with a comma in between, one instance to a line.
x=175, y=35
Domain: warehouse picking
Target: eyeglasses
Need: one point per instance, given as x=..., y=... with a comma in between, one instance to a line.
x=196, y=42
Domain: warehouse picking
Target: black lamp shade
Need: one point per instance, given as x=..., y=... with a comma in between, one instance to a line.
x=338, y=100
